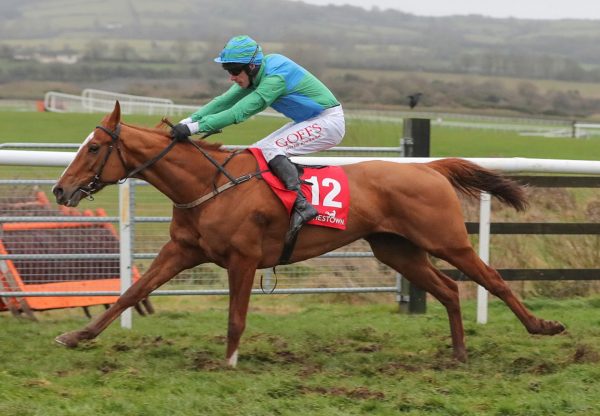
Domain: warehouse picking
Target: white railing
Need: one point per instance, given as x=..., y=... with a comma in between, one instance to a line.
x=94, y=94
x=98, y=101
x=586, y=129
x=508, y=165
x=69, y=103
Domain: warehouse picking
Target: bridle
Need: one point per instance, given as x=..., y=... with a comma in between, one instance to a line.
x=97, y=183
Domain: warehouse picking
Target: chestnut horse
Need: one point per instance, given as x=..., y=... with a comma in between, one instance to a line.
x=404, y=211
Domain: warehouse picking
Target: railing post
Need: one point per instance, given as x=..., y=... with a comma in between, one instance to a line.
x=402, y=296
x=125, y=227
x=416, y=143
x=485, y=208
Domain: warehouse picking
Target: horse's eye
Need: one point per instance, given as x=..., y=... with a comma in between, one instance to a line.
x=93, y=148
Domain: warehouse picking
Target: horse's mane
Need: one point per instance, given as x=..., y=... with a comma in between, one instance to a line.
x=164, y=133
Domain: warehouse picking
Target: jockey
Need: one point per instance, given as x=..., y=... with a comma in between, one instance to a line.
x=273, y=80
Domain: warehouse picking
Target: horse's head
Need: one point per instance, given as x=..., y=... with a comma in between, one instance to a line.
x=98, y=163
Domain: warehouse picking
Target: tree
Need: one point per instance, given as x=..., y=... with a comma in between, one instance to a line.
x=95, y=50
x=123, y=51
x=6, y=52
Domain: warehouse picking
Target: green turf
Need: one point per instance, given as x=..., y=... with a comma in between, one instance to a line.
x=304, y=356
x=445, y=141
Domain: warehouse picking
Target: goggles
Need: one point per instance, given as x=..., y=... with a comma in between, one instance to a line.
x=235, y=70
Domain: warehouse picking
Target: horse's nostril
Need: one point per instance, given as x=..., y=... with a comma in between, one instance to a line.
x=57, y=191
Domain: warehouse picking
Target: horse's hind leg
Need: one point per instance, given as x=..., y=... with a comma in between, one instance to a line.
x=467, y=261
x=412, y=262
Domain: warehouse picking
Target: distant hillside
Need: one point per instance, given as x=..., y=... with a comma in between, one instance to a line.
x=368, y=58
x=343, y=35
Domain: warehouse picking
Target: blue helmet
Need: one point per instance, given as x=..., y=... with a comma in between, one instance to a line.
x=241, y=50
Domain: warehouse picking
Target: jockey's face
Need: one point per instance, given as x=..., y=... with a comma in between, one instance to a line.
x=241, y=79
x=240, y=76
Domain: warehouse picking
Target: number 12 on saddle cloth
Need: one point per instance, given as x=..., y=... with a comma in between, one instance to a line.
x=328, y=192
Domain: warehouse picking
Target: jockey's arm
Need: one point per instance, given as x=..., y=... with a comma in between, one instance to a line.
x=220, y=103
x=269, y=90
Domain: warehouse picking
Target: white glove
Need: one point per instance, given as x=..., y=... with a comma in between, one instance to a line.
x=193, y=126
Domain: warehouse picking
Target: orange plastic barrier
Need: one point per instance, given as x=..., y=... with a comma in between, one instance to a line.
x=51, y=275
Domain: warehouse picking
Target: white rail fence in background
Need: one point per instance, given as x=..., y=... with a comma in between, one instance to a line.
x=507, y=165
x=96, y=101
x=100, y=101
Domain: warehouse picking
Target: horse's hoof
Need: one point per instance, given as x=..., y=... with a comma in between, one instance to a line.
x=548, y=328
x=461, y=356
x=232, y=361
x=68, y=339
x=553, y=327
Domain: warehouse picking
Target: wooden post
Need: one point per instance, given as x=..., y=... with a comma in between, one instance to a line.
x=416, y=143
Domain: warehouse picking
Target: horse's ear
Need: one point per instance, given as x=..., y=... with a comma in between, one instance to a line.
x=115, y=117
x=164, y=123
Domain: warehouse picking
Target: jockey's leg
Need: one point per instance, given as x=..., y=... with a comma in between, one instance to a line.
x=313, y=135
x=287, y=172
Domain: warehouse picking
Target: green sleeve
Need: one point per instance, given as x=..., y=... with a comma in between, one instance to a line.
x=254, y=102
x=220, y=103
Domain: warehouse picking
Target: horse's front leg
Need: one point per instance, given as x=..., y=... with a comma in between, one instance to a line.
x=241, y=277
x=172, y=259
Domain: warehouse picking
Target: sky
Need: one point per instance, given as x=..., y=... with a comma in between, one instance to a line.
x=522, y=9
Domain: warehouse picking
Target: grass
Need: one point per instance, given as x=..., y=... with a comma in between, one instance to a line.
x=304, y=355
x=445, y=141
x=478, y=143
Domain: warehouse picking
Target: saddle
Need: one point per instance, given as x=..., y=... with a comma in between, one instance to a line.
x=325, y=187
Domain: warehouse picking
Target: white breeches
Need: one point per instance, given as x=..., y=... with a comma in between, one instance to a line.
x=313, y=135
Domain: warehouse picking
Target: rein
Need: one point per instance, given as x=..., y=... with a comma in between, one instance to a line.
x=96, y=183
x=220, y=169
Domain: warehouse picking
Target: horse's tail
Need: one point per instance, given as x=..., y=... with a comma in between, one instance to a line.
x=469, y=178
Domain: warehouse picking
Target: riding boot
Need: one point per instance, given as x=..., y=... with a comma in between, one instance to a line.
x=303, y=210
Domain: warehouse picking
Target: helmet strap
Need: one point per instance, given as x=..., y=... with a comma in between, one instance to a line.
x=252, y=71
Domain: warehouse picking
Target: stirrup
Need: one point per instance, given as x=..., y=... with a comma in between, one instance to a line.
x=292, y=235
x=297, y=221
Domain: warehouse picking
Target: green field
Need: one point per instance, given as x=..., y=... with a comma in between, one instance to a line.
x=445, y=141
x=304, y=355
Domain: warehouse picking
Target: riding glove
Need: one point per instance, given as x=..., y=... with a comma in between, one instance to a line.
x=180, y=132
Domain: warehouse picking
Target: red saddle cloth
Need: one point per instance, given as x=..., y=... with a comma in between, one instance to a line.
x=328, y=192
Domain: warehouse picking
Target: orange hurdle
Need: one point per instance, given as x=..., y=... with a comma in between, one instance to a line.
x=16, y=279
